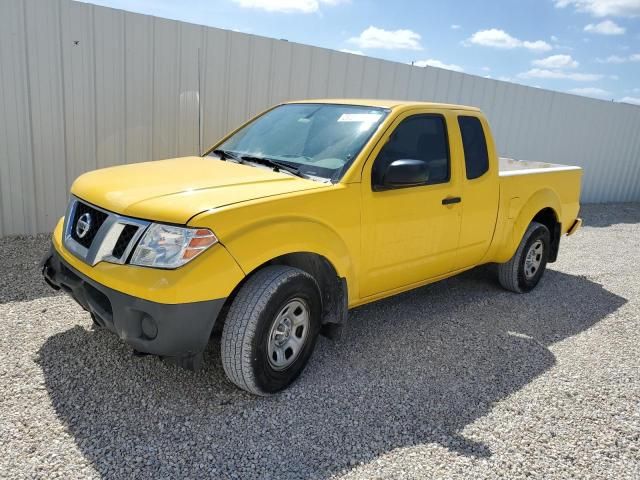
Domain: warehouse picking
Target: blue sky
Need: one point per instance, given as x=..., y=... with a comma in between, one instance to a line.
x=586, y=47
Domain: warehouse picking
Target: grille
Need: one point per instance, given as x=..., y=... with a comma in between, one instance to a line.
x=97, y=219
x=123, y=240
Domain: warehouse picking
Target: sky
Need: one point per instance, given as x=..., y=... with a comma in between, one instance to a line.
x=584, y=47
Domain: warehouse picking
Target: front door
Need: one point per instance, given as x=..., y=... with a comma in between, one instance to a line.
x=409, y=234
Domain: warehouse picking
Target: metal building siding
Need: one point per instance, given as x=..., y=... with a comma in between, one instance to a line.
x=83, y=87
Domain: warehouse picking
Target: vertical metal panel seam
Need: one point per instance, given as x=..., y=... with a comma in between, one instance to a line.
x=225, y=100
x=310, y=72
x=378, y=76
x=152, y=44
x=628, y=149
x=631, y=172
x=95, y=84
x=125, y=135
x=201, y=70
x=270, y=79
x=250, y=66
x=364, y=69
x=176, y=99
x=63, y=93
x=614, y=176
x=290, y=72
x=34, y=219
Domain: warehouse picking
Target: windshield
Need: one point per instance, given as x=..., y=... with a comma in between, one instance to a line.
x=319, y=140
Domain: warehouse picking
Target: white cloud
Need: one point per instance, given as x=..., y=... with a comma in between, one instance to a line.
x=618, y=59
x=591, y=92
x=559, y=75
x=538, y=46
x=437, y=63
x=554, y=38
x=613, y=59
x=556, y=62
x=486, y=69
x=354, y=52
x=287, y=6
x=604, y=8
x=455, y=27
x=607, y=27
x=374, y=37
x=634, y=100
x=500, y=39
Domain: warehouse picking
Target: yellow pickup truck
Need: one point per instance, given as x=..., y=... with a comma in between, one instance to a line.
x=305, y=211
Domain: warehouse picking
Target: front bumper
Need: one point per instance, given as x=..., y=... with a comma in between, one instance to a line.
x=178, y=331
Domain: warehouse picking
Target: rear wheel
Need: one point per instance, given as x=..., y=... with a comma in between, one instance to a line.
x=525, y=269
x=271, y=329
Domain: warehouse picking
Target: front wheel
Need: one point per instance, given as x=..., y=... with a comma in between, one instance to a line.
x=525, y=269
x=271, y=329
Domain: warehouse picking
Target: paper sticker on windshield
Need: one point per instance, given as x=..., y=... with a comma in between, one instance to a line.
x=360, y=117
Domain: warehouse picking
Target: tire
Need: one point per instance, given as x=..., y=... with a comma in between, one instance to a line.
x=260, y=354
x=522, y=274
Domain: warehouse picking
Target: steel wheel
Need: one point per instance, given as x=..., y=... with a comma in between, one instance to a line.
x=533, y=260
x=523, y=271
x=288, y=334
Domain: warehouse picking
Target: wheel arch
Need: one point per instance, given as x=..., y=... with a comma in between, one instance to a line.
x=333, y=288
x=544, y=207
x=549, y=218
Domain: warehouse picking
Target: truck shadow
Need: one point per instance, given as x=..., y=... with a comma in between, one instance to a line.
x=414, y=369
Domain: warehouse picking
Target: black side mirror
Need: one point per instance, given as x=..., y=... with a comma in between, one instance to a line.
x=402, y=173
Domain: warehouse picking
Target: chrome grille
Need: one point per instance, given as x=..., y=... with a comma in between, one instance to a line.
x=103, y=236
x=98, y=219
x=128, y=232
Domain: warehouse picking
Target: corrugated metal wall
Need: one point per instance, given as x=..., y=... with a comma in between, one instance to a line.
x=83, y=87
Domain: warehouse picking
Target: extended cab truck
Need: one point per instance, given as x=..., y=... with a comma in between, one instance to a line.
x=307, y=210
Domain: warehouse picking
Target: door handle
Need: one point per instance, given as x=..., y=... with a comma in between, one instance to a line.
x=451, y=200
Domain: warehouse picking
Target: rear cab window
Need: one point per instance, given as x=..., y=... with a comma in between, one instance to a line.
x=474, y=143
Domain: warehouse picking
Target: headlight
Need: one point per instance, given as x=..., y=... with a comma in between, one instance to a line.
x=166, y=246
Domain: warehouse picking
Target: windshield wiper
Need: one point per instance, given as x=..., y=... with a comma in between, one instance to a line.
x=277, y=165
x=226, y=154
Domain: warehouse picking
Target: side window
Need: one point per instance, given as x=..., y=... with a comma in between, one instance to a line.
x=421, y=137
x=476, y=157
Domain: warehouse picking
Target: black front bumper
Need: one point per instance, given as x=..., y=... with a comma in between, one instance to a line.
x=179, y=332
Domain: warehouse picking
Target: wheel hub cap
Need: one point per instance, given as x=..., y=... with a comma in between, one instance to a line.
x=288, y=334
x=533, y=259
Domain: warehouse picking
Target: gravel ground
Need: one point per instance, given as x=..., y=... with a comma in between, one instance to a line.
x=459, y=380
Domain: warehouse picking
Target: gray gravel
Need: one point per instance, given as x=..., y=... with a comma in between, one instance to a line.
x=459, y=379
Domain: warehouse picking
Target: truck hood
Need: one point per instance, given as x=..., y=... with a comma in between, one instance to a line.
x=175, y=190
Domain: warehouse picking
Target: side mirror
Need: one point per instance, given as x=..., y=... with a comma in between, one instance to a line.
x=402, y=173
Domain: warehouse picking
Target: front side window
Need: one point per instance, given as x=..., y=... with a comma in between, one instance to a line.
x=420, y=137
x=476, y=157
x=319, y=140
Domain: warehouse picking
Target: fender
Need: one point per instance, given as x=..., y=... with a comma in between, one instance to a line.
x=541, y=199
x=256, y=243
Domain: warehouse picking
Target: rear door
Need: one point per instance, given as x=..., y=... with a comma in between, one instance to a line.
x=480, y=189
x=408, y=234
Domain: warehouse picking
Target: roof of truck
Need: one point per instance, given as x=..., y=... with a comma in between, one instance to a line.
x=372, y=102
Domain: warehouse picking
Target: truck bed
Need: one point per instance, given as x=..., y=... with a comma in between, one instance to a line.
x=510, y=166
x=523, y=184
